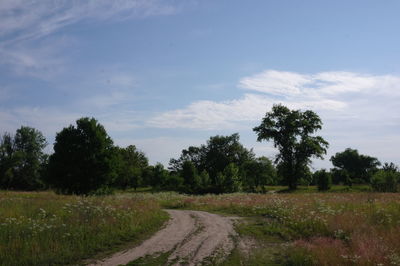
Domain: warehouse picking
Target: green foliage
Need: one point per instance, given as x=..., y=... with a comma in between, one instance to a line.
x=385, y=181
x=210, y=161
x=291, y=131
x=22, y=159
x=82, y=159
x=323, y=179
x=47, y=229
x=258, y=173
x=130, y=164
x=350, y=165
x=229, y=179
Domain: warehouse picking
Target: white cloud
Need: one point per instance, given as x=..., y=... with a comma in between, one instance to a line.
x=332, y=94
x=276, y=82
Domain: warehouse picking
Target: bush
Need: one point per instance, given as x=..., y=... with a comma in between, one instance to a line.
x=385, y=181
x=323, y=179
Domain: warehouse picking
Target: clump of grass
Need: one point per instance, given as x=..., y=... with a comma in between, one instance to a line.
x=46, y=229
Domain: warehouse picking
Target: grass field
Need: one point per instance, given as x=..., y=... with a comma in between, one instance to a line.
x=337, y=228
x=310, y=228
x=42, y=228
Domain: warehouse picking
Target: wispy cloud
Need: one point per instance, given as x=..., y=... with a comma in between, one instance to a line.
x=25, y=26
x=32, y=19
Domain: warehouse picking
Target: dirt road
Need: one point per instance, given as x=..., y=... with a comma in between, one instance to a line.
x=190, y=236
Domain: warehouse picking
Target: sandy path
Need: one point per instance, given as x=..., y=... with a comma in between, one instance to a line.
x=191, y=236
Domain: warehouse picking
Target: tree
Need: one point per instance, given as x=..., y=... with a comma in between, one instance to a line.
x=291, y=131
x=357, y=166
x=22, y=159
x=190, y=176
x=385, y=181
x=229, y=180
x=214, y=157
x=323, y=179
x=258, y=173
x=82, y=158
x=130, y=164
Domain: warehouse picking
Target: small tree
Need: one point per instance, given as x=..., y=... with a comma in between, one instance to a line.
x=82, y=158
x=385, y=181
x=22, y=159
x=258, y=173
x=291, y=131
x=230, y=179
x=323, y=179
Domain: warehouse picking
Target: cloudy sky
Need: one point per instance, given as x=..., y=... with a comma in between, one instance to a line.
x=166, y=74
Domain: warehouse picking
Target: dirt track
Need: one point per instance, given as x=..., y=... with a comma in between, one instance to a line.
x=190, y=236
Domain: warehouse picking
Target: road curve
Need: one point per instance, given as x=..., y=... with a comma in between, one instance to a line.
x=190, y=236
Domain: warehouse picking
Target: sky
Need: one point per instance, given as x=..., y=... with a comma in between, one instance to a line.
x=167, y=74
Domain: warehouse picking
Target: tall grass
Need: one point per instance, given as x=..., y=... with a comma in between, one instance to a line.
x=324, y=228
x=46, y=229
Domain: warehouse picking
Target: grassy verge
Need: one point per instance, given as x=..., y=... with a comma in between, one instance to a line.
x=323, y=228
x=42, y=228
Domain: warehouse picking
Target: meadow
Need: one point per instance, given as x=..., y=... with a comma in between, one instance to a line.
x=339, y=228
x=310, y=228
x=42, y=228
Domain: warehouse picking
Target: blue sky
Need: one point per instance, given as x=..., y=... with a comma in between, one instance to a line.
x=164, y=74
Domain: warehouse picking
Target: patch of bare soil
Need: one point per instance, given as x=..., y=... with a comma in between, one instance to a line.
x=190, y=236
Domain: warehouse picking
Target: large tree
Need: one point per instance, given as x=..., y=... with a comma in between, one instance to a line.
x=292, y=133
x=82, y=158
x=353, y=165
x=22, y=159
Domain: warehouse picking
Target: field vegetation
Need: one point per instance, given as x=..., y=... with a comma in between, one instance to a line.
x=42, y=228
x=309, y=229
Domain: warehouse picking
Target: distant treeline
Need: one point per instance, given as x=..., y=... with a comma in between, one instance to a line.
x=85, y=161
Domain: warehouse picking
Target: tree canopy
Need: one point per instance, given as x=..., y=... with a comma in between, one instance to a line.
x=291, y=131
x=351, y=165
x=82, y=158
x=22, y=159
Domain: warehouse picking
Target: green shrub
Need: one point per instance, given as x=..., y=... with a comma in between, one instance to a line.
x=323, y=179
x=385, y=181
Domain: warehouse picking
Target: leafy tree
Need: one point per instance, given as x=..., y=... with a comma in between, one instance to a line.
x=323, y=179
x=357, y=166
x=130, y=164
x=157, y=176
x=229, y=180
x=82, y=158
x=258, y=173
x=214, y=157
x=190, y=177
x=22, y=159
x=390, y=167
x=385, y=181
x=291, y=131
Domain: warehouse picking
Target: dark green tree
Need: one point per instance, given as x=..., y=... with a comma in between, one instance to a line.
x=229, y=180
x=130, y=164
x=190, y=176
x=323, y=180
x=358, y=167
x=258, y=173
x=22, y=159
x=291, y=131
x=82, y=158
x=214, y=157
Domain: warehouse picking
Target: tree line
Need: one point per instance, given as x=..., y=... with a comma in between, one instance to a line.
x=86, y=161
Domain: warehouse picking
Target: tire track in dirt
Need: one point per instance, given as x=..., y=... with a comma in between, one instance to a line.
x=190, y=236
